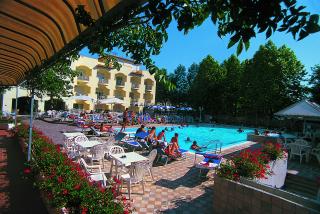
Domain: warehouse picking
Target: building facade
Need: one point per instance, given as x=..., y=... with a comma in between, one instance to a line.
x=134, y=86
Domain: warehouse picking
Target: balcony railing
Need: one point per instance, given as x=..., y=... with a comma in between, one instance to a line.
x=119, y=97
x=135, y=86
x=148, y=87
x=79, y=93
x=85, y=78
x=103, y=81
x=120, y=84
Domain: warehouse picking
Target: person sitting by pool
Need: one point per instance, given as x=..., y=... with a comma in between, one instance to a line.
x=195, y=146
x=240, y=130
x=266, y=132
x=161, y=135
x=141, y=129
x=256, y=132
x=173, y=148
x=188, y=139
x=152, y=137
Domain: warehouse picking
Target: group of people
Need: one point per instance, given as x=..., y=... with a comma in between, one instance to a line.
x=159, y=141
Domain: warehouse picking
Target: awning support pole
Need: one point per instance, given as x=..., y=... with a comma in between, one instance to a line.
x=30, y=127
x=16, y=108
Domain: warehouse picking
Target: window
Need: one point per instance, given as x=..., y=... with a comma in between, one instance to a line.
x=119, y=81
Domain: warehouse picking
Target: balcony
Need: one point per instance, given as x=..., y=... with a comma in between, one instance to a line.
x=120, y=84
x=119, y=97
x=80, y=93
x=103, y=81
x=135, y=86
x=134, y=102
x=149, y=87
x=83, y=78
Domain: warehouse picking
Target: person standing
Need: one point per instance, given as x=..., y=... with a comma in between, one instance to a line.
x=125, y=120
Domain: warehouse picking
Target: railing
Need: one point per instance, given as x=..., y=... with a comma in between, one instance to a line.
x=148, y=87
x=135, y=86
x=81, y=94
x=86, y=78
x=120, y=84
x=103, y=81
x=119, y=97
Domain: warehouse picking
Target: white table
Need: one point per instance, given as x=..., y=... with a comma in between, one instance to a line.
x=72, y=134
x=130, y=157
x=88, y=144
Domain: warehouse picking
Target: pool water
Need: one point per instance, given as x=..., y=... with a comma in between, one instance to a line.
x=204, y=135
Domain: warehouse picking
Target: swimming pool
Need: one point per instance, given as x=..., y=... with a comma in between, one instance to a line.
x=204, y=135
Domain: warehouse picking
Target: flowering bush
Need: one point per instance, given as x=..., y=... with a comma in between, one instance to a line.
x=247, y=164
x=273, y=150
x=65, y=183
x=251, y=164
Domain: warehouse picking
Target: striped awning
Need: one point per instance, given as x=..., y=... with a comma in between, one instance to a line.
x=34, y=32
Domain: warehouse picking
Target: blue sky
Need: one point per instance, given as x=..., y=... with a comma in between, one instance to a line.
x=198, y=43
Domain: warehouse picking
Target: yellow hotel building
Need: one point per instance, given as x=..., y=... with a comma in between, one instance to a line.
x=130, y=84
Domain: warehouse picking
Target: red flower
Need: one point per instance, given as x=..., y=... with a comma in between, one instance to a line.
x=27, y=171
x=77, y=187
x=64, y=192
x=125, y=212
x=58, y=148
x=60, y=179
x=84, y=210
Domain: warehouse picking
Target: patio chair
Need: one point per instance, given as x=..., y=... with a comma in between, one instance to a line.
x=80, y=138
x=297, y=150
x=136, y=176
x=116, y=150
x=210, y=162
x=92, y=175
x=97, y=154
x=151, y=157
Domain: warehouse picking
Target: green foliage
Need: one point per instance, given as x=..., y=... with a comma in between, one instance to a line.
x=143, y=30
x=55, y=81
x=315, y=84
x=64, y=182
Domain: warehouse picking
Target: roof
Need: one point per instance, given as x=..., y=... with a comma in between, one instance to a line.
x=304, y=109
x=34, y=33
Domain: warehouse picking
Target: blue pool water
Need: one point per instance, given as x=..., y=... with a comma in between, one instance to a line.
x=204, y=135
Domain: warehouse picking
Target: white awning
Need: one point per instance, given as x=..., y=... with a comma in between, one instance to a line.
x=304, y=109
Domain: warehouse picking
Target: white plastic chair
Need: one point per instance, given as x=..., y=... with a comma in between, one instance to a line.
x=297, y=149
x=115, y=150
x=316, y=152
x=95, y=176
x=136, y=176
x=97, y=154
x=80, y=138
x=151, y=157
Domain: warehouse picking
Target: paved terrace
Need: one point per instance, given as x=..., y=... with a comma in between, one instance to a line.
x=177, y=188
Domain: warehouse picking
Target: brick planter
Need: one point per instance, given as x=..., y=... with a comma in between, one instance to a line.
x=234, y=197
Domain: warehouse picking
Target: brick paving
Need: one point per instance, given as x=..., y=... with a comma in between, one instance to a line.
x=16, y=194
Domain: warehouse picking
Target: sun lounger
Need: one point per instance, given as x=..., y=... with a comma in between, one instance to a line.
x=210, y=162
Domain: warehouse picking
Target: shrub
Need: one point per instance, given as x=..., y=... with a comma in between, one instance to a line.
x=273, y=150
x=65, y=183
x=252, y=164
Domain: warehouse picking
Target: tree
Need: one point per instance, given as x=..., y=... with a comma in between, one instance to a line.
x=142, y=32
x=315, y=84
x=232, y=84
x=207, y=86
x=192, y=73
x=179, y=78
x=54, y=82
x=162, y=92
x=272, y=79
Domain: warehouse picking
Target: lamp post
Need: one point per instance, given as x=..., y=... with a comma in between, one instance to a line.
x=200, y=111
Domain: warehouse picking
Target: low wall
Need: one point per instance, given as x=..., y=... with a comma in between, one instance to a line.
x=261, y=138
x=235, y=197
